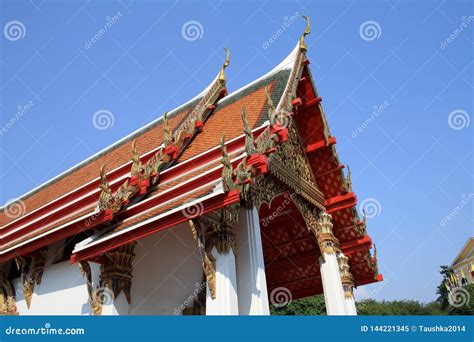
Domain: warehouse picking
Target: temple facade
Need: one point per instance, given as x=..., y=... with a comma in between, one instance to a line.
x=223, y=206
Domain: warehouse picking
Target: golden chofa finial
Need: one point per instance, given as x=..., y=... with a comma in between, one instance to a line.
x=225, y=65
x=305, y=33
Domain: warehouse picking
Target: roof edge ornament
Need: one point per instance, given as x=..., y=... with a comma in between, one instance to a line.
x=227, y=170
x=167, y=137
x=270, y=105
x=307, y=31
x=209, y=98
x=225, y=65
x=105, y=196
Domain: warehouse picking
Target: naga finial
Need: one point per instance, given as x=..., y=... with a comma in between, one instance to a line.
x=136, y=164
x=227, y=171
x=348, y=179
x=249, y=141
x=105, y=196
x=104, y=184
x=307, y=31
x=225, y=65
x=271, y=106
x=166, y=130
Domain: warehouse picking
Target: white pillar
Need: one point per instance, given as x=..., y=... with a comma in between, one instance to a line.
x=350, y=306
x=332, y=285
x=115, y=306
x=252, y=283
x=226, y=302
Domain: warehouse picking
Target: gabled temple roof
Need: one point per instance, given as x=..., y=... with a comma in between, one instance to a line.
x=82, y=180
x=465, y=253
x=160, y=175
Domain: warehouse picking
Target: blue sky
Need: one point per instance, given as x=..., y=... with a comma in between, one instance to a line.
x=412, y=159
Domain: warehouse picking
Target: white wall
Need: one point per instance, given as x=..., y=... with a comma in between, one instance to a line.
x=62, y=291
x=167, y=272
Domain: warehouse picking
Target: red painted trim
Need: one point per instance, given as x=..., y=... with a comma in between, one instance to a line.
x=369, y=280
x=297, y=102
x=360, y=244
x=171, y=220
x=338, y=168
x=312, y=102
x=340, y=202
x=320, y=144
x=166, y=175
x=82, y=190
x=59, y=235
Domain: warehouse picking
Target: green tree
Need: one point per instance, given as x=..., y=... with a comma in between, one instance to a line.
x=310, y=306
x=397, y=308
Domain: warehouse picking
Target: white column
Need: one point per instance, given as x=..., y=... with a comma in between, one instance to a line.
x=115, y=306
x=332, y=285
x=226, y=302
x=252, y=283
x=350, y=306
x=347, y=281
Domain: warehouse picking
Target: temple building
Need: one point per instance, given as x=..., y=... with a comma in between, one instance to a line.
x=463, y=265
x=223, y=206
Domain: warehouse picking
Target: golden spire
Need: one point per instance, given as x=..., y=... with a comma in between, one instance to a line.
x=305, y=33
x=224, y=66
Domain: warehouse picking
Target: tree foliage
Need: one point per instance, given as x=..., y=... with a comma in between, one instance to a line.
x=309, y=306
x=398, y=308
x=460, y=303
